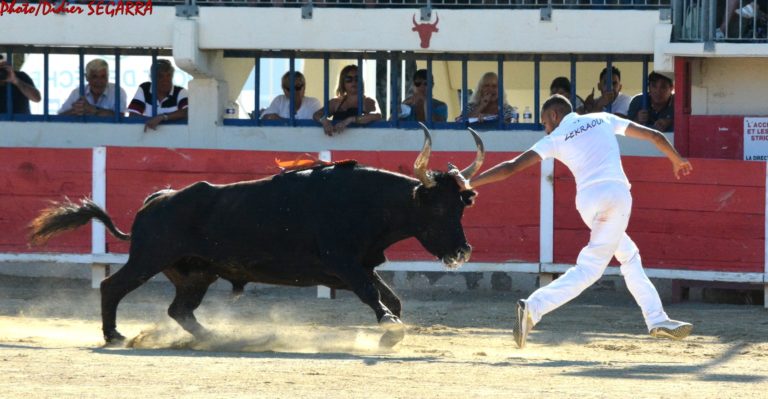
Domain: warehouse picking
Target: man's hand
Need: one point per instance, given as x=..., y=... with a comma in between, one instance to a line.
x=153, y=122
x=681, y=166
x=642, y=117
x=662, y=125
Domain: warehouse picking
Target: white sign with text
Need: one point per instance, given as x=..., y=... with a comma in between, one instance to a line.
x=756, y=138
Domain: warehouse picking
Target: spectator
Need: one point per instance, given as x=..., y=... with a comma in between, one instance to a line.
x=744, y=9
x=22, y=88
x=562, y=86
x=483, y=106
x=343, y=108
x=99, y=98
x=280, y=108
x=658, y=110
x=173, y=105
x=416, y=103
x=613, y=97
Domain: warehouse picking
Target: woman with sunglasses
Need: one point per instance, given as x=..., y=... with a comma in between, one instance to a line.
x=343, y=109
x=305, y=107
x=415, y=106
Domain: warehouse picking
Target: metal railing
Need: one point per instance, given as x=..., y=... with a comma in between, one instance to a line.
x=734, y=21
x=642, y=4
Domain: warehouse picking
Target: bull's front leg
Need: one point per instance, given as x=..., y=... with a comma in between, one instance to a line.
x=362, y=284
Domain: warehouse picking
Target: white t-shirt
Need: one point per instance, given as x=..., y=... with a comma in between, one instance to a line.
x=620, y=105
x=281, y=106
x=106, y=101
x=587, y=145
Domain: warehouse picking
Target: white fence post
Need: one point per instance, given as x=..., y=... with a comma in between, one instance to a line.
x=98, y=232
x=547, y=219
x=323, y=291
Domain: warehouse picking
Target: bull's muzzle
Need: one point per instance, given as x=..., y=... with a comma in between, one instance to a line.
x=455, y=261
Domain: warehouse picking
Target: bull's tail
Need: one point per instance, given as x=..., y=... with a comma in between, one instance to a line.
x=65, y=216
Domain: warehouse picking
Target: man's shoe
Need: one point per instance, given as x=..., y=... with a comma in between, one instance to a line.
x=523, y=324
x=671, y=329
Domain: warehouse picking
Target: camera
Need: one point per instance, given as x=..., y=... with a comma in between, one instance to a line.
x=3, y=74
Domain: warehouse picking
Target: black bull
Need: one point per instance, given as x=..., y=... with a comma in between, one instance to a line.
x=327, y=225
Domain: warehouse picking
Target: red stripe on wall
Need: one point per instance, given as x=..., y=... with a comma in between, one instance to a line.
x=32, y=177
x=711, y=220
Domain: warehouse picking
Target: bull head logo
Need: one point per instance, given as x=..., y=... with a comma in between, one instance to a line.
x=425, y=30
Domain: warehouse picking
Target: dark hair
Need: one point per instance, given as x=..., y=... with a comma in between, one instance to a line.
x=162, y=65
x=559, y=102
x=654, y=77
x=614, y=71
x=560, y=82
x=298, y=79
x=421, y=74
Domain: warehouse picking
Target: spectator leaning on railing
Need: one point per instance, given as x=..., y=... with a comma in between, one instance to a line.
x=613, y=97
x=562, y=86
x=99, y=95
x=22, y=88
x=173, y=105
x=483, y=106
x=343, y=109
x=414, y=108
x=658, y=109
x=280, y=108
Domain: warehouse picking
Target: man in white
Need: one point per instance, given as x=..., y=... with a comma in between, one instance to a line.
x=280, y=108
x=611, y=98
x=99, y=95
x=587, y=145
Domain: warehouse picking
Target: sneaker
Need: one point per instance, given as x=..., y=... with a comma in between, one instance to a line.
x=748, y=11
x=719, y=35
x=523, y=324
x=671, y=329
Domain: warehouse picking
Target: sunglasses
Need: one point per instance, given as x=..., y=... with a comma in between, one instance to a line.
x=350, y=79
x=298, y=88
x=418, y=83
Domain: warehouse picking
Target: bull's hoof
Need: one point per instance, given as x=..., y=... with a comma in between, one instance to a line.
x=394, y=331
x=203, y=334
x=391, y=338
x=391, y=322
x=112, y=337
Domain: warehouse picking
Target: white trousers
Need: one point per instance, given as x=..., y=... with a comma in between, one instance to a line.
x=605, y=208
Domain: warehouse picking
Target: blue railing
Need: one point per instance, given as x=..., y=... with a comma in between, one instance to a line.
x=390, y=106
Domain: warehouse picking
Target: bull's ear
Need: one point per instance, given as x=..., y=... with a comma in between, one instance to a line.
x=468, y=197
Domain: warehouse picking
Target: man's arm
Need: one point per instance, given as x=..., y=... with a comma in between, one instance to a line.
x=28, y=89
x=506, y=168
x=680, y=165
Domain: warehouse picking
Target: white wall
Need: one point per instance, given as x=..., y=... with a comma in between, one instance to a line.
x=729, y=86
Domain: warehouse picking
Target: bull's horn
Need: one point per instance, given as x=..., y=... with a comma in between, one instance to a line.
x=420, y=165
x=472, y=169
x=437, y=19
x=414, y=21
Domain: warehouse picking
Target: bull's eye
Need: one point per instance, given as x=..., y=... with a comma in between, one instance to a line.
x=468, y=197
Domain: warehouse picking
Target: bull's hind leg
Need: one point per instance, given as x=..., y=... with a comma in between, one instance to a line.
x=115, y=288
x=191, y=287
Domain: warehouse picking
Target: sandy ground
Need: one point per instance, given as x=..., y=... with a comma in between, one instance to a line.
x=284, y=343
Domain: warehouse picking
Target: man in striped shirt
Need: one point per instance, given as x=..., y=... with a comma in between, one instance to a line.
x=173, y=103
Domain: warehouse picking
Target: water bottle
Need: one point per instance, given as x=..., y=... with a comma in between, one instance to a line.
x=515, y=115
x=527, y=115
